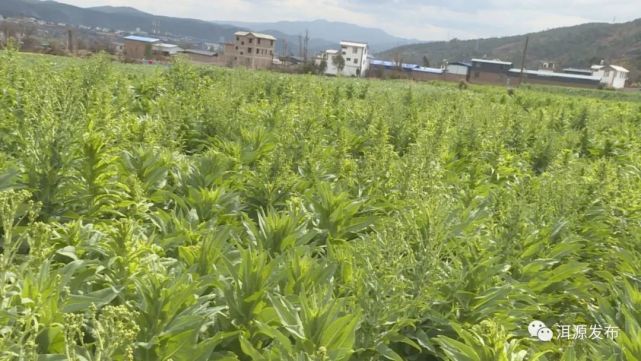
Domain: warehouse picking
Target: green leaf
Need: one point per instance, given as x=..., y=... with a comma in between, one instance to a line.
x=79, y=303
x=388, y=353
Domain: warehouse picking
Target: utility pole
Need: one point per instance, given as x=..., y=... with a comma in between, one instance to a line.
x=300, y=46
x=527, y=40
x=285, y=54
x=306, y=46
x=71, y=48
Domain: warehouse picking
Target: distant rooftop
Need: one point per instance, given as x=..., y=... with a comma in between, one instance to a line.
x=353, y=43
x=492, y=61
x=619, y=68
x=615, y=67
x=258, y=35
x=166, y=46
x=382, y=62
x=461, y=63
x=425, y=69
x=199, y=52
x=578, y=70
x=552, y=74
x=409, y=67
x=141, y=39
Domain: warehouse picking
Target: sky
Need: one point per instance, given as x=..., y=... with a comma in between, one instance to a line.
x=415, y=19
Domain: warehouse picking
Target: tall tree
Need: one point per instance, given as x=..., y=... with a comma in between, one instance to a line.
x=426, y=61
x=339, y=62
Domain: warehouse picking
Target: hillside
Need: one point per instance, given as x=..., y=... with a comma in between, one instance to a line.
x=333, y=31
x=117, y=10
x=576, y=46
x=129, y=19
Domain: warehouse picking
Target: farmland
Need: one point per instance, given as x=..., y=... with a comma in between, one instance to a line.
x=186, y=213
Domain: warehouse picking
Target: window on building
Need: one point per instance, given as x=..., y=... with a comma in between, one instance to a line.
x=349, y=59
x=355, y=61
x=257, y=51
x=344, y=53
x=251, y=40
x=249, y=51
x=258, y=41
x=242, y=43
x=271, y=42
x=237, y=39
x=271, y=52
x=354, y=50
x=241, y=53
x=236, y=48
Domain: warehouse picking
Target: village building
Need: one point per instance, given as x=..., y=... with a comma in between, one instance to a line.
x=458, y=68
x=201, y=56
x=139, y=47
x=490, y=71
x=330, y=58
x=166, y=49
x=612, y=76
x=252, y=50
x=356, y=58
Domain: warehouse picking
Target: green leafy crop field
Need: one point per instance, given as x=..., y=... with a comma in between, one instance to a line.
x=184, y=213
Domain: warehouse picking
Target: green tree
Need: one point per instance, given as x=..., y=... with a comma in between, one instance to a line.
x=322, y=66
x=339, y=62
x=426, y=61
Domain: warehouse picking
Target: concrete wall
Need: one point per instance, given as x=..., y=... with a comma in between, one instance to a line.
x=205, y=59
x=137, y=49
x=457, y=69
x=479, y=76
x=617, y=79
x=516, y=80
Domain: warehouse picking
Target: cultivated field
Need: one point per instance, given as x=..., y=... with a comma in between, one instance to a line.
x=185, y=214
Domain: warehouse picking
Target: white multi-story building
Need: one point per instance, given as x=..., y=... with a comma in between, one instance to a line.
x=329, y=57
x=355, y=55
x=613, y=76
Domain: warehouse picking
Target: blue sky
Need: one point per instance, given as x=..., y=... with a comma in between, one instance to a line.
x=425, y=20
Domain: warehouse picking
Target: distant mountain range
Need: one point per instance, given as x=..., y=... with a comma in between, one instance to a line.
x=575, y=46
x=323, y=34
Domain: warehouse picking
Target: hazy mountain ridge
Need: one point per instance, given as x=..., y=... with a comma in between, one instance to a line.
x=575, y=46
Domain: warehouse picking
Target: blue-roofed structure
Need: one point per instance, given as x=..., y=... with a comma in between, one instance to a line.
x=142, y=39
x=382, y=63
x=412, y=71
x=578, y=71
x=424, y=69
x=139, y=47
